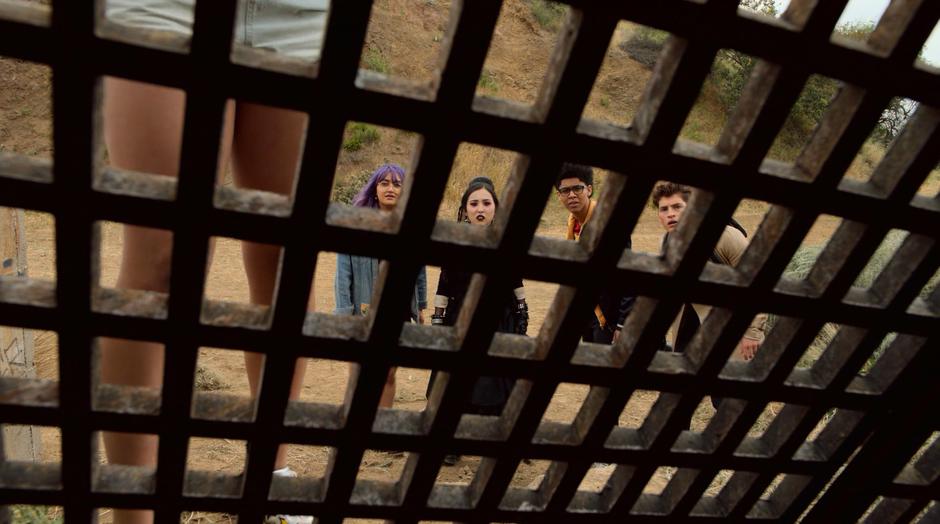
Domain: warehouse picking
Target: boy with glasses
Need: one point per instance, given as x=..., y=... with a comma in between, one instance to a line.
x=575, y=186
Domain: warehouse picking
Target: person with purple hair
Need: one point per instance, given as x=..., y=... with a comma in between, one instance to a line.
x=356, y=275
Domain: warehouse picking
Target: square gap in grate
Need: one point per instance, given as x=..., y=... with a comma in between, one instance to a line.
x=458, y=470
x=628, y=67
x=566, y=403
x=765, y=419
x=596, y=478
x=930, y=188
x=482, y=206
x=121, y=440
x=373, y=171
x=262, y=180
x=309, y=461
x=845, y=420
x=893, y=120
x=813, y=244
x=762, y=7
x=122, y=24
x=718, y=97
x=385, y=466
x=227, y=282
x=26, y=117
x=880, y=259
x=109, y=515
x=577, y=192
x=136, y=114
x=659, y=480
x=529, y=474
x=36, y=444
x=29, y=353
x=226, y=456
x=129, y=376
x=350, y=285
x=408, y=389
x=144, y=290
x=293, y=48
x=27, y=244
x=668, y=202
x=817, y=347
x=859, y=18
x=637, y=409
x=718, y=483
x=542, y=299
x=932, y=445
x=703, y=414
x=325, y=381
x=405, y=40
x=222, y=371
x=202, y=517
x=516, y=66
x=772, y=487
x=805, y=116
x=879, y=352
x=28, y=514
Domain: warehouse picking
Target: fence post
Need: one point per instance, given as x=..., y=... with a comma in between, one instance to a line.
x=16, y=344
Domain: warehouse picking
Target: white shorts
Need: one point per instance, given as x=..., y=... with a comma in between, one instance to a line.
x=291, y=27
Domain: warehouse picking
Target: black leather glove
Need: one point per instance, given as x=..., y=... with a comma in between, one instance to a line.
x=521, y=315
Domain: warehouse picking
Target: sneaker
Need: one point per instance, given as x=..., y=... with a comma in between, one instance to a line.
x=287, y=519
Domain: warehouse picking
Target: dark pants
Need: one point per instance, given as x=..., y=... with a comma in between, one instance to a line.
x=597, y=334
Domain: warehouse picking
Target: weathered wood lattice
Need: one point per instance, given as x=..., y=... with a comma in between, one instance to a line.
x=861, y=462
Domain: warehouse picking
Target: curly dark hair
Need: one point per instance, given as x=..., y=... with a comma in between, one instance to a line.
x=581, y=172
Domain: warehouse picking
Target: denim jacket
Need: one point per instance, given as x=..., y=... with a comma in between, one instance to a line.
x=355, y=277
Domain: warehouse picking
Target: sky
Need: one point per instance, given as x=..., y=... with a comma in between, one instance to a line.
x=871, y=11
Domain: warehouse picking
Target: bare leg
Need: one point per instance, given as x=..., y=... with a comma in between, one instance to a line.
x=143, y=131
x=265, y=153
x=388, y=391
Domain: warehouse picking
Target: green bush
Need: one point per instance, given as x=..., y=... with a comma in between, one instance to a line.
x=803, y=261
x=488, y=81
x=346, y=189
x=373, y=60
x=359, y=135
x=645, y=45
x=547, y=13
x=35, y=515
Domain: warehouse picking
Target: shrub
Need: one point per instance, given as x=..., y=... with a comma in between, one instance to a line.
x=359, y=135
x=347, y=188
x=35, y=515
x=645, y=45
x=800, y=266
x=373, y=60
x=547, y=13
x=488, y=81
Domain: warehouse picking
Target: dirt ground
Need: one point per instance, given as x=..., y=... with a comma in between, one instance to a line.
x=224, y=370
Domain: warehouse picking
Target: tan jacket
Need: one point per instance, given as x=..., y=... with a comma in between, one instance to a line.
x=572, y=222
x=729, y=249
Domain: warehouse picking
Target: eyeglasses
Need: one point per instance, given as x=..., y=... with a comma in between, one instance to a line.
x=571, y=189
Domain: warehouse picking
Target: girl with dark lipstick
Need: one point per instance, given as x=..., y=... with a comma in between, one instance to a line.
x=477, y=207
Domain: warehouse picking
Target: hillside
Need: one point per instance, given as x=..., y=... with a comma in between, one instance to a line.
x=405, y=40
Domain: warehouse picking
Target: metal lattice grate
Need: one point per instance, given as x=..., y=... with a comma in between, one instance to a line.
x=860, y=462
